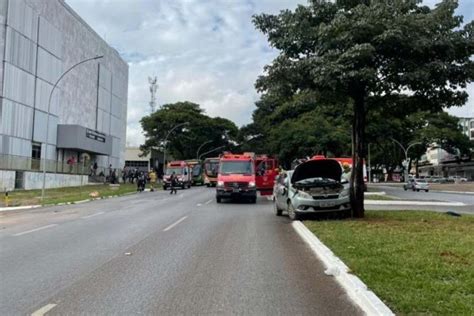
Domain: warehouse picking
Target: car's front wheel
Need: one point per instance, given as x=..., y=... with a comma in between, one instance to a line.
x=218, y=199
x=278, y=211
x=294, y=216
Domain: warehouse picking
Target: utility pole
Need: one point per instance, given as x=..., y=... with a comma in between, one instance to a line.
x=153, y=89
x=405, y=150
x=48, y=114
x=166, y=141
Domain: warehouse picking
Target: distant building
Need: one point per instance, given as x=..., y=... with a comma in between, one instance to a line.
x=467, y=124
x=135, y=160
x=438, y=162
x=39, y=41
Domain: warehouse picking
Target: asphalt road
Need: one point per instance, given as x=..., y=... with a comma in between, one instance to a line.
x=426, y=196
x=156, y=254
x=399, y=193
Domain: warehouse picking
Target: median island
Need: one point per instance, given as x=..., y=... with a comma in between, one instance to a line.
x=416, y=262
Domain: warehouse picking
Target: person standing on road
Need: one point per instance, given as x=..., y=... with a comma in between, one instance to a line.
x=95, y=168
x=174, y=183
x=141, y=182
x=152, y=176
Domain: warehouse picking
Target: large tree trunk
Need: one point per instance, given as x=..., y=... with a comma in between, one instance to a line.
x=358, y=156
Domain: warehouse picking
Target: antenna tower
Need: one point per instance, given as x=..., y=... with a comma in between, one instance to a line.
x=153, y=89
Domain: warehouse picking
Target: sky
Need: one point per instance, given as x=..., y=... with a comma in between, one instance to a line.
x=203, y=51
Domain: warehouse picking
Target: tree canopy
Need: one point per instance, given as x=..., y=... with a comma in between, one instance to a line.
x=369, y=55
x=183, y=143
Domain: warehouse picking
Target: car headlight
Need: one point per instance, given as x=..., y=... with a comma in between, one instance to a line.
x=220, y=183
x=344, y=193
x=251, y=184
x=304, y=195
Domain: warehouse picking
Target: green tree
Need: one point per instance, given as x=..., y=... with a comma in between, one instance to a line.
x=377, y=54
x=184, y=143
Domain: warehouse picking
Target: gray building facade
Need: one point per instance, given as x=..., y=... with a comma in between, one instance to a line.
x=39, y=40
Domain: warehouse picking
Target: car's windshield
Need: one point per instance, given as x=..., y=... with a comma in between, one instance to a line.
x=176, y=170
x=420, y=181
x=236, y=167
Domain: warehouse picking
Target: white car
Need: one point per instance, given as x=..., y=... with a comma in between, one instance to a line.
x=314, y=186
x=417, y=185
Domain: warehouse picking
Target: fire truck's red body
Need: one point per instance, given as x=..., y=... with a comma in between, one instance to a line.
x=266, y=170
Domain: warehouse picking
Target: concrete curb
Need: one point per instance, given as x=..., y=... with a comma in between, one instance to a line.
x=14, y=208
x=355, y=288
x=453, y=192
x=423, y=203
x=374, y=193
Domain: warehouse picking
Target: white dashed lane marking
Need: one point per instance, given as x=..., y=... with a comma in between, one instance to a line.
x=35, y=230
x=175, y=223
x=43, y=310
x=92, y=215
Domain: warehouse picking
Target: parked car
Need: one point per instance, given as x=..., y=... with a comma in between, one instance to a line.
x=314, y=186
x=438, y=180
x=458, y=179
x=417, y=185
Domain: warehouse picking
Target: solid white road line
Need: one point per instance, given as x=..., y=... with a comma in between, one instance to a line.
x=92, y=215
x=175, y=223
x=43, y=310
x=208, y=202
x=406, y=202
x=35, y=230
x=199, y=204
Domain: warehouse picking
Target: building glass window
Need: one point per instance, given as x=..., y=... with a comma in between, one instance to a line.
x=35, y=156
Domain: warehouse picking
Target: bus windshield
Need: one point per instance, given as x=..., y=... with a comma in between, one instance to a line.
x=211, y=168
x=196, y=170
x=236, y=167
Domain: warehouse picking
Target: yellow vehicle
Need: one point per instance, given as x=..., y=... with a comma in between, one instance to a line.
x=211, y=170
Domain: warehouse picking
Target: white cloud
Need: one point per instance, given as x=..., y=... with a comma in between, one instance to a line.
x=204, y=51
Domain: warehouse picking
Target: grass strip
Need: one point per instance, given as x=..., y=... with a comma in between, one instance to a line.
x=67, y=194
x=417, y=262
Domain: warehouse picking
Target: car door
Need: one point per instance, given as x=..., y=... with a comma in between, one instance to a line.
x=282, y=194
x=277, y=189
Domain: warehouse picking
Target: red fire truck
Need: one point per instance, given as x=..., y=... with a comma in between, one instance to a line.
x=182, y=171
x=266, y=170
x=346, y=163
x=236, y=177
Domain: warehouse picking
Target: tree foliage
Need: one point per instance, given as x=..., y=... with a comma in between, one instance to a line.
x=373, y=55
x=183, y=144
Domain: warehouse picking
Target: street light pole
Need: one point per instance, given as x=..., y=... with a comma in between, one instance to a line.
x=166, y=140
x=210, y=151
x=48, y=114
x=199, y=149
x=405, y=150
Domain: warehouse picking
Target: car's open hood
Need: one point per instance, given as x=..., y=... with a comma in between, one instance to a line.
x=325, y=168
